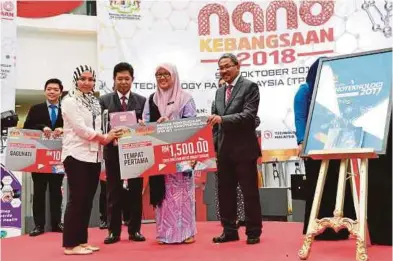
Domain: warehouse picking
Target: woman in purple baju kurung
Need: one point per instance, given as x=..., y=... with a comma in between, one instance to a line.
x=172, y=195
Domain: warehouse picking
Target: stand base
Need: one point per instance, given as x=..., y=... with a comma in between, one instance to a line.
x=336, y=223
x=358, y=227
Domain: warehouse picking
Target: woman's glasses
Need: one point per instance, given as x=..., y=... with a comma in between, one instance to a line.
x=163, y=75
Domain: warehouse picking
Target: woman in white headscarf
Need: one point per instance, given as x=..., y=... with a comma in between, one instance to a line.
x=172, y=195
x=81, y=156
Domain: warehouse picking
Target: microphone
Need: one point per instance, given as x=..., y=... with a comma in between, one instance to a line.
x=105, y=117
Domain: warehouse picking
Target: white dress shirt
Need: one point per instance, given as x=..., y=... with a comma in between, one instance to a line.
x=78, y=132
x=127, y=95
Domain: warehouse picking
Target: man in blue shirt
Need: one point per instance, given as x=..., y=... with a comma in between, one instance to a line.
x=47, y=117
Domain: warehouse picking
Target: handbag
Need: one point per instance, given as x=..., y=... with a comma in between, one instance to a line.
x=298, y=184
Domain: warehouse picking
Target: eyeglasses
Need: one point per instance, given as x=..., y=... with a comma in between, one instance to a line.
x=226, y=67
x=165, y=75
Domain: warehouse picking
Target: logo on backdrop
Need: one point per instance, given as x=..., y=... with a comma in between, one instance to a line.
x=260, y=43
x=124, y=9
x=385, y=27
x=267, y=134
x=279, y=134
x=7, y=10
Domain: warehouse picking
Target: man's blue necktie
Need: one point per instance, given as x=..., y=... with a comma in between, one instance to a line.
x=53, y=115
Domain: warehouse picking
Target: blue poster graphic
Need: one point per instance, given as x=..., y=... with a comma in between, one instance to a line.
x=352, y=99
x=11, y=204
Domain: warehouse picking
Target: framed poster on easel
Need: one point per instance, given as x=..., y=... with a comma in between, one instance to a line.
x=349, y=118
x=352, y=92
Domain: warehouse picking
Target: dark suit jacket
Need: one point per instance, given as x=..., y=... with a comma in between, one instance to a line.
x=215, y=128
x=236, y=137
x=38, y=118
x=112, y=103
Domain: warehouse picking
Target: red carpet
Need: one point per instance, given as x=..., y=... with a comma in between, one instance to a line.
x=279, y=242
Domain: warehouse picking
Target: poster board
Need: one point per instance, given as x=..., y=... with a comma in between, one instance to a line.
x=351, y=92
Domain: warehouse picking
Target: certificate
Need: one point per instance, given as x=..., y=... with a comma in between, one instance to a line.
x=122, y=119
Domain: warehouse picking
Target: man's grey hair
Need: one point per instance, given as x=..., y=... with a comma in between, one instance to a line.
x=230, y=56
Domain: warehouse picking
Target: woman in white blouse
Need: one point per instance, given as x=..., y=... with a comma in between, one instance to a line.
x=82, y=156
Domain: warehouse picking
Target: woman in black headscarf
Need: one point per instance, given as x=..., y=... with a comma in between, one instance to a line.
x=301, y=107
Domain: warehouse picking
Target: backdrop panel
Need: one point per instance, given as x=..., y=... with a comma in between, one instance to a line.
x=275, y=41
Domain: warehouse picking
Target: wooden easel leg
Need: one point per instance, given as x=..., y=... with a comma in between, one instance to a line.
x=354, y=190
x=340, y=197
x=361, y=247
x=354, y=180
x=304, y=252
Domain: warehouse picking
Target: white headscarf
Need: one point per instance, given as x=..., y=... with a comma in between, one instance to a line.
x=171, y=101
x=87, y=100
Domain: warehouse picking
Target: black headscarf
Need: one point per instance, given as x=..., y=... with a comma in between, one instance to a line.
x=312, y=74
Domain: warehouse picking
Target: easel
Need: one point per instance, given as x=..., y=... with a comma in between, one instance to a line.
x=358, y=227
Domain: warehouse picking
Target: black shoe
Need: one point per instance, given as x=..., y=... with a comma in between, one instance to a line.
x=111, y=239
x=253, y=240
x=103, y=225
x=241, y=223
x=136, y=237
x=59, y=228
x=226, y=238
x=37, y=231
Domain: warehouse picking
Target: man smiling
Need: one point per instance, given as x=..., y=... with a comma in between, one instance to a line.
x=47, y=117
x=234, y=114
x=122, y=99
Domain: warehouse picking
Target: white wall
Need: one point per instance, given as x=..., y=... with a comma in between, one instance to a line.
x=45, y=51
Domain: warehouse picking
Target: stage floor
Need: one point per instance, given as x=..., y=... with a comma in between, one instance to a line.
x=279, y=242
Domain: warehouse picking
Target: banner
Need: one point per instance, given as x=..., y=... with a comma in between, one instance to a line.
x=349, y=95
x=30, y=151
x=168, y=147
x=8, y=55
x=275, y=42
x=41, y=9
x=11, y=205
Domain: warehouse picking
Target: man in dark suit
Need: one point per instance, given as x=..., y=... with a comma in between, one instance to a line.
x=122, y=100
x=235, y=113
x=103, y=203
x=47, y=117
